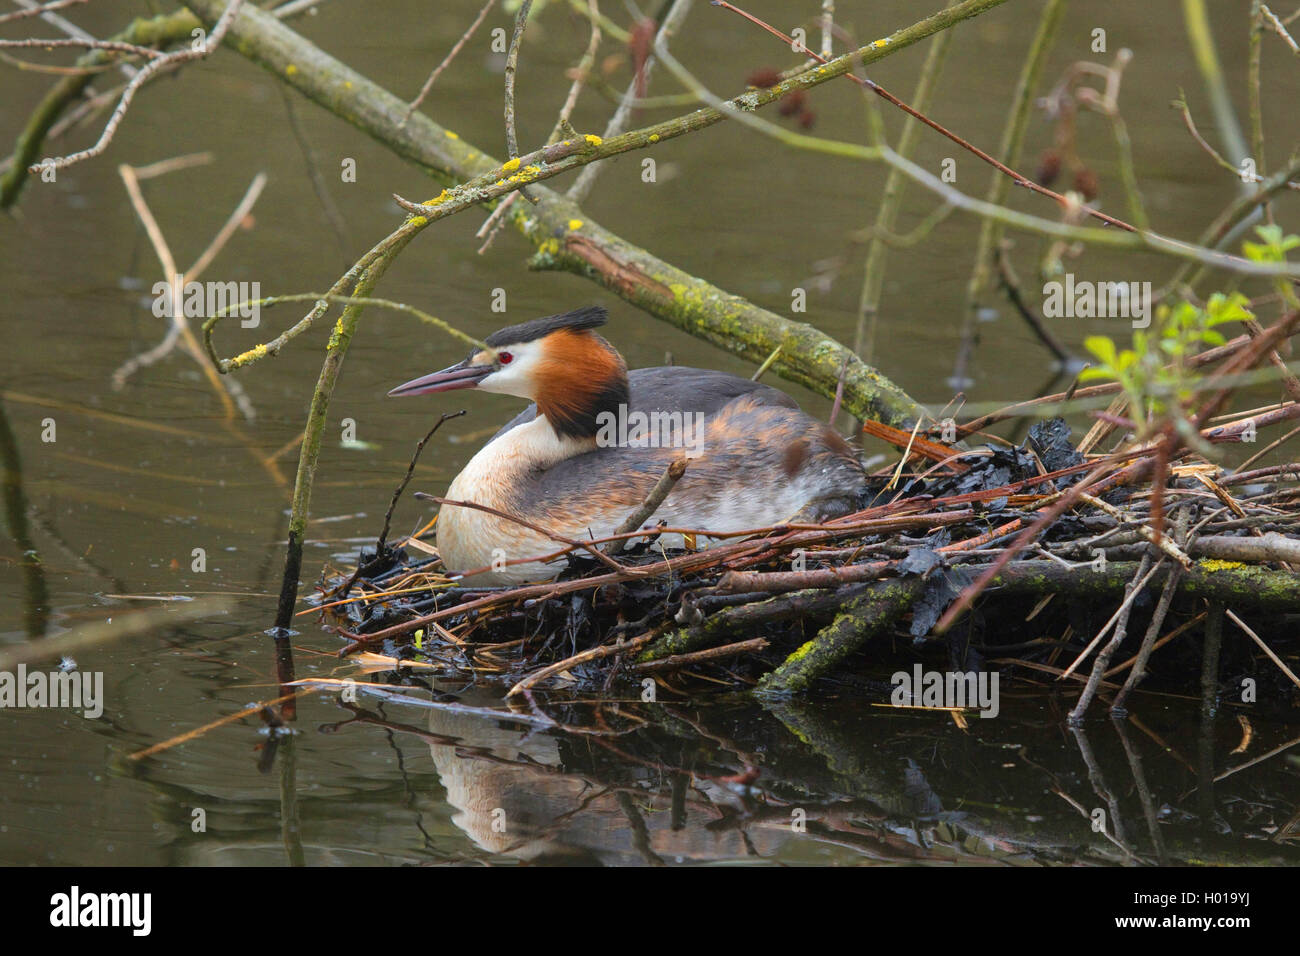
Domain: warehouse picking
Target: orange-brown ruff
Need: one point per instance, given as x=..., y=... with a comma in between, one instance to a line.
x=755, y=460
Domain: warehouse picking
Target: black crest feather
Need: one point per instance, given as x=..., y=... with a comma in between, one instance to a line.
x=578, y=320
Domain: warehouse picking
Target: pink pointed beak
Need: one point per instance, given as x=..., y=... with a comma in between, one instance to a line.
x=460, y=375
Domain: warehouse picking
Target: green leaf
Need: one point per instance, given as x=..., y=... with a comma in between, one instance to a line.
x=1271, y=233
x=1091, y=373
x=1102, y=347
x=1222, y=308
x=1275, y=245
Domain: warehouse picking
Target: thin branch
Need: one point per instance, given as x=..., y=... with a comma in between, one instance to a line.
x=1013, y=139
x=237, y=216
x=382, y=542
x=68, y=27
x=1126, y=237
x=1196, y=20
x=1120, y=621
x=38, y=11
x=112, y=46
x=180, y=330
x=446, y=61
x=828, y=28
x=672, y=474
x=1011, y=284
x=618, y=122
x=891, y=200
x=487, y=232
x=884, y=94
x=512, y=62
x=322, y=301
x=174, y=58
x=584, y=68
x=1279, y=28
x=1181, y=105
x=596, y=653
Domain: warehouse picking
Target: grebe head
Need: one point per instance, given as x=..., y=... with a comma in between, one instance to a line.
x=558, y=362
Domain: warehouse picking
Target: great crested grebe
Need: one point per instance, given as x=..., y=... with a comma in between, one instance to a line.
x=596, y=440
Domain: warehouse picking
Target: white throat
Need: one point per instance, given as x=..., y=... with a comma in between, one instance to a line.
x=491, y=472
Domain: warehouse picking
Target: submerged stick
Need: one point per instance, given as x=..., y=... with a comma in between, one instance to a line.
x=1139, y=672
x=1103, y=657
x=1265, y=648
x=90, y=635
x=814, y=605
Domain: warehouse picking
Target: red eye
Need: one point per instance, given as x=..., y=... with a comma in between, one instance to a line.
x=505, y=358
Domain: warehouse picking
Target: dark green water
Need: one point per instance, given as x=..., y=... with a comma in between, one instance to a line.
x=137, y=478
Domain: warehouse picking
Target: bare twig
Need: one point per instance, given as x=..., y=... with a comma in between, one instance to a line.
x=1120, y=621
x=828, y=28
x=1279, y=28
x=1148, y=645
x=172, y=59
x=658, y=493
x=1159, y=540
x=179, y=329
x=512, y=62
x=382, y=542
x=1011, y=284
x=678, y=661
x=68, y=27
x=38, y=11
x=884, y=94
x=1214, y=154
x=112, y=46
x=446, y=61
x=487, y=232
x=618, y=122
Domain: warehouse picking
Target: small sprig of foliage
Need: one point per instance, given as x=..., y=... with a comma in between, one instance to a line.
x=1155, y=373
x=1274, y=249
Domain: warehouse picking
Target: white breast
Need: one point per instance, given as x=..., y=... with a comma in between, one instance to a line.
x=469, y=539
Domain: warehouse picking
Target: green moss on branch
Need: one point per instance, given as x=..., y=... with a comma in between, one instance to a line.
x=859, y=619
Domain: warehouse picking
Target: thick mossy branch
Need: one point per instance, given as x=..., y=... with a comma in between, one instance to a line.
x=1226, y=581
x=730, y=322
x=567, y=239
x=313, y=434
x=858, y=621
x=856, y=612
x=814, y=605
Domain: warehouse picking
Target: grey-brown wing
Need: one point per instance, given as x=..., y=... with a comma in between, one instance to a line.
x=747, y=449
